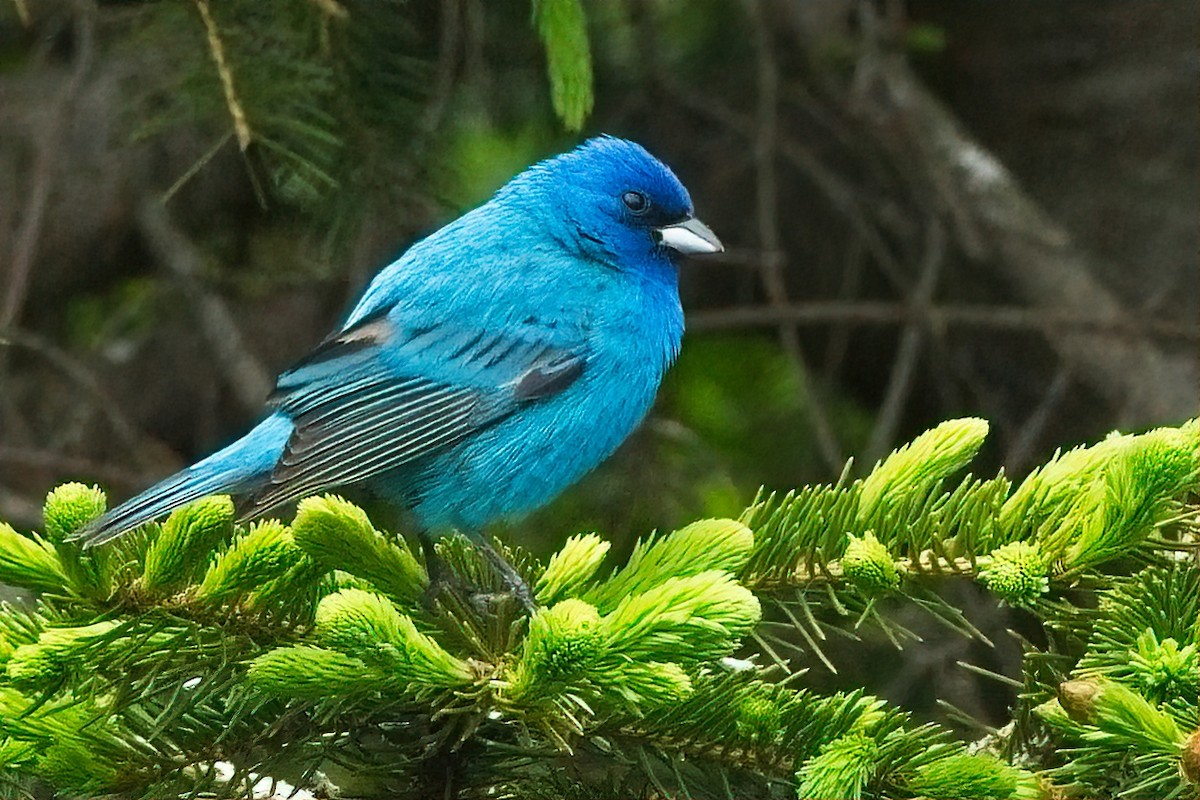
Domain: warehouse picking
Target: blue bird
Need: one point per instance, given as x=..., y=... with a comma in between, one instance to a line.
x=488, y=368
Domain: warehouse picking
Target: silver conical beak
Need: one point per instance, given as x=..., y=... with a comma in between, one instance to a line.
x=690, y=237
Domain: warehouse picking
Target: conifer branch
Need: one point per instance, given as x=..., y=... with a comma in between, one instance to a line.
x=217, y=48
x=200, y=655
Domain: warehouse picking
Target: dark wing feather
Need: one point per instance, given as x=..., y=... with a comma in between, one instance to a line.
x=375, y=397
x=550, y=377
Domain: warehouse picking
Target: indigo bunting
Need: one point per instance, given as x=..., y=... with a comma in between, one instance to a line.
x=489, y=367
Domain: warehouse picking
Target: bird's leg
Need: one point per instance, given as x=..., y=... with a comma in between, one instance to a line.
x=434, y=566
x=512, y=579
x=441, y=577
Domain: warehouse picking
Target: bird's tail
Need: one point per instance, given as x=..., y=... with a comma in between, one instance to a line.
x=239, y=468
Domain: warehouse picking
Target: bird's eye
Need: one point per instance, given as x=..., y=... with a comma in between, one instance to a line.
x=635, y=202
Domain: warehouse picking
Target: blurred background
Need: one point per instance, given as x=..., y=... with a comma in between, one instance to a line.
x=932, y=209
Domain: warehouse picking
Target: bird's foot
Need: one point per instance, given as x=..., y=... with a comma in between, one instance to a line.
x=520, y=590
x=445, y=582
x=512, y=579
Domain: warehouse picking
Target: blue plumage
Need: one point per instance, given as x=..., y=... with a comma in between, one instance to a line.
x=488, y=368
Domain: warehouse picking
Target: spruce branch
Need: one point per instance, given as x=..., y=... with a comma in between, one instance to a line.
x=571, y=569
x=267, y=550
x=207, y=656
x=30, y=562
x=338, y=534
x=182, y=548
x=562, y=25
x=1122, y=708
x=217, y=48
x=1085, y=508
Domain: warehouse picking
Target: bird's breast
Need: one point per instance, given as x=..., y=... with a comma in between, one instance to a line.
x=525, y=460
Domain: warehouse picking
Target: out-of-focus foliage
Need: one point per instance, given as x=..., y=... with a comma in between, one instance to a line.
x=563, y=28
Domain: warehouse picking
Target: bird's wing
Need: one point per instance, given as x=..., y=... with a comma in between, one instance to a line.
x=379, y=395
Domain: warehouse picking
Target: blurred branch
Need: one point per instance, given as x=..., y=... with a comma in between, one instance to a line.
x=247, y=378
x=900, y=381
x=194, y=170
x=47, y=145
x=841, y=193
x=25, y=247
x=994, y=217
x=774, y=265
x=22, y=12
x=62, y=464
x=1008, y=318
x=134, y=440
x=851, y=282
x=331, y=8
x=447, y=61
x=1024, y=446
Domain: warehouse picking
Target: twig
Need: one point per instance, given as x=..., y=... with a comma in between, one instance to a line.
x=474, y=24
x=331, y=8
x=900, y=381
x=927, y=562
x=1006, y=318
x=845, y=199
x=48, y=148
x=217, y=48
x=195, y=168
x=25, y=247
x=244, y=374
x=63, y=464
x=447, y=61
x=133, y=439
x=994, y=216
x=1020, y=452
x=839, y=337
x=877, y=37
x=774, y=264
x=837, y=190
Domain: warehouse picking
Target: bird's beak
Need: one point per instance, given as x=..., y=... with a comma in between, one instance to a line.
x=690, y=237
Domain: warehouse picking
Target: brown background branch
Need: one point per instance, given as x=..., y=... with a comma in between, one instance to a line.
x=992, y=318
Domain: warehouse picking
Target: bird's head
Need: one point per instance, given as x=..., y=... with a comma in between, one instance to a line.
x=614, y=201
